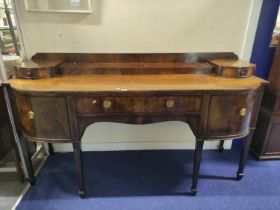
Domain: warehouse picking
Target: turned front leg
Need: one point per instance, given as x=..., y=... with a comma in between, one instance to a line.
x=197, y=159
x=28, y=161
x=244, y=154
x=79, y=168
x=16, y=159
x=51, y=149
x=221, y=146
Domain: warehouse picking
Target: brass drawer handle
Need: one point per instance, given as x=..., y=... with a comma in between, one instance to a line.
x=107, y=104
x=29, y=74
x=242, y=73
x=243, y=112
x=31, y=115
x=170, y=103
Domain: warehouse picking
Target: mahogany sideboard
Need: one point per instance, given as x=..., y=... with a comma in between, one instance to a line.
x=58, y=95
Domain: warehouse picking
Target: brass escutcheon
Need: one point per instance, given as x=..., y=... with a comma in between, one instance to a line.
x=243, y=112
x=170, y=103
x=31, y=115
x=107, y=104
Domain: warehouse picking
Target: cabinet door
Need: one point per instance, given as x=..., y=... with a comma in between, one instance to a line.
x=43, y=118
x=229, y=115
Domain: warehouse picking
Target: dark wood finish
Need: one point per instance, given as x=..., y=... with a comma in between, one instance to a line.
x=132, y=57
x=227, y=120
x=22, y=141
x=79, y=168
x=221, y=146
x=244, y=154
x=6, y=133
x=274, y=146
x=222, y=121
x=271, y=100
x=50, y=117
x=36, y=73
x=274, y=75
x=266, y=143
x=45, y=65
x=51, y=149
x=33, y=70
x=50, y=65
x=196, y=165
x=7, y=141
x=133, y=68
x=28, y=162
x=137, y=89
x=16, y=159
x=90, y=106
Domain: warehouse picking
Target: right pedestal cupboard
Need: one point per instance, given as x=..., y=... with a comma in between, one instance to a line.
x=266, y=140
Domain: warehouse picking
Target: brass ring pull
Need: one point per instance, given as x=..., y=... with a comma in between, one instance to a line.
x=31, y=115
x=242, y=73
x=29, y=74
x=107, y=104
x=243, y=112
x=170, y=103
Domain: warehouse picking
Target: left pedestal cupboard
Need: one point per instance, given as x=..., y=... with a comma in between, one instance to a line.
x=58, y=95
x=9, y=134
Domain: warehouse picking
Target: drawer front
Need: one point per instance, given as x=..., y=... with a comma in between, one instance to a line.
x=25, y=73
x=44, y=118
x=229, y=115
x=232, y=72
x=91, y=105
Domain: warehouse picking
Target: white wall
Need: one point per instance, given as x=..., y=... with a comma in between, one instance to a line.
x=142, y=26
x=139, y=26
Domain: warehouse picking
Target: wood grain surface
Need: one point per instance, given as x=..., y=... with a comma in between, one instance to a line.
x=119, y=83
x=40, y=64
x=232, y=63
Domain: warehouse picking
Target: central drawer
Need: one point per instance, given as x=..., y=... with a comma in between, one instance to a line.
x=92, y=105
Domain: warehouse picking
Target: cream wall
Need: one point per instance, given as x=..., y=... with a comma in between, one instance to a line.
x=139, y=26
x=142, y=26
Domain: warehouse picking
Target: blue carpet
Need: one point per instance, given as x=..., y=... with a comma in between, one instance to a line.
x=155, y=180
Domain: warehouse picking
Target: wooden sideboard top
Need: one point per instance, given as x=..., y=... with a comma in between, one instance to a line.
x=41, y=64
x=100, y=83
x=74, y=72
x=46, y=65
x=232, y=63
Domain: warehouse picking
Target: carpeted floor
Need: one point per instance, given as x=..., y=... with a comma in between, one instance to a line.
x=155, y=180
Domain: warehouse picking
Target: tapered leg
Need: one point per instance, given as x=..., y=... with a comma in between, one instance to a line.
x=51, y=150
x=16, y=159
x=196, y=166
x=79, y=168
x=27, y=161
x=221, y=146
x=244, y=154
